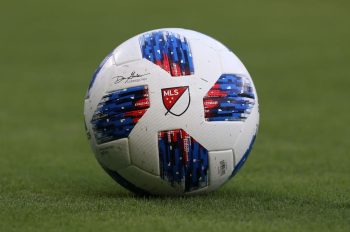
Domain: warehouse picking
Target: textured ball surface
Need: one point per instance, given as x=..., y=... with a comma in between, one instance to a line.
x=171, y=112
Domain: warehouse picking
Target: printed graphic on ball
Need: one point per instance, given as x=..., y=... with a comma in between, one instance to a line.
x=176, y=100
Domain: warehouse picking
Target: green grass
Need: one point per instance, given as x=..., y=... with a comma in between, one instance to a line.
x=297, y=177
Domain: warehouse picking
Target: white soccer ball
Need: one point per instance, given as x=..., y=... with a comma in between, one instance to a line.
x=171, y=112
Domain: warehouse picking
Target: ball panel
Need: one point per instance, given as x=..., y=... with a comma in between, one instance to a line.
x=118, y=112
x=183, y=161
x=114, y=155
x=168, y=50
x=127, y=52
x=221, y=165
x=230, y=99
x=230, y=63
x=148, y=182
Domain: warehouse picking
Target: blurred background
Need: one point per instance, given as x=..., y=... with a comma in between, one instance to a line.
x=297, y=53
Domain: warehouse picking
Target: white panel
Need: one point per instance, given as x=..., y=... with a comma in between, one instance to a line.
x=231, y=64
x=114, y=155
x=148, y=182
x=127, y=51
x=221, y=165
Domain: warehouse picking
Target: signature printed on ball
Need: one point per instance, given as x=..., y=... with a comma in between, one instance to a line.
x=133, y=77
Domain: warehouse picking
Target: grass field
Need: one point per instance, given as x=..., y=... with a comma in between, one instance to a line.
x=297, y=177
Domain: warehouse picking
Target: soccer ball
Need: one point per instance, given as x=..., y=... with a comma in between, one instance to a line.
x=171, y=112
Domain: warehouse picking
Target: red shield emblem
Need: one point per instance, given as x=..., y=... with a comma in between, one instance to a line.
x=176, y=100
